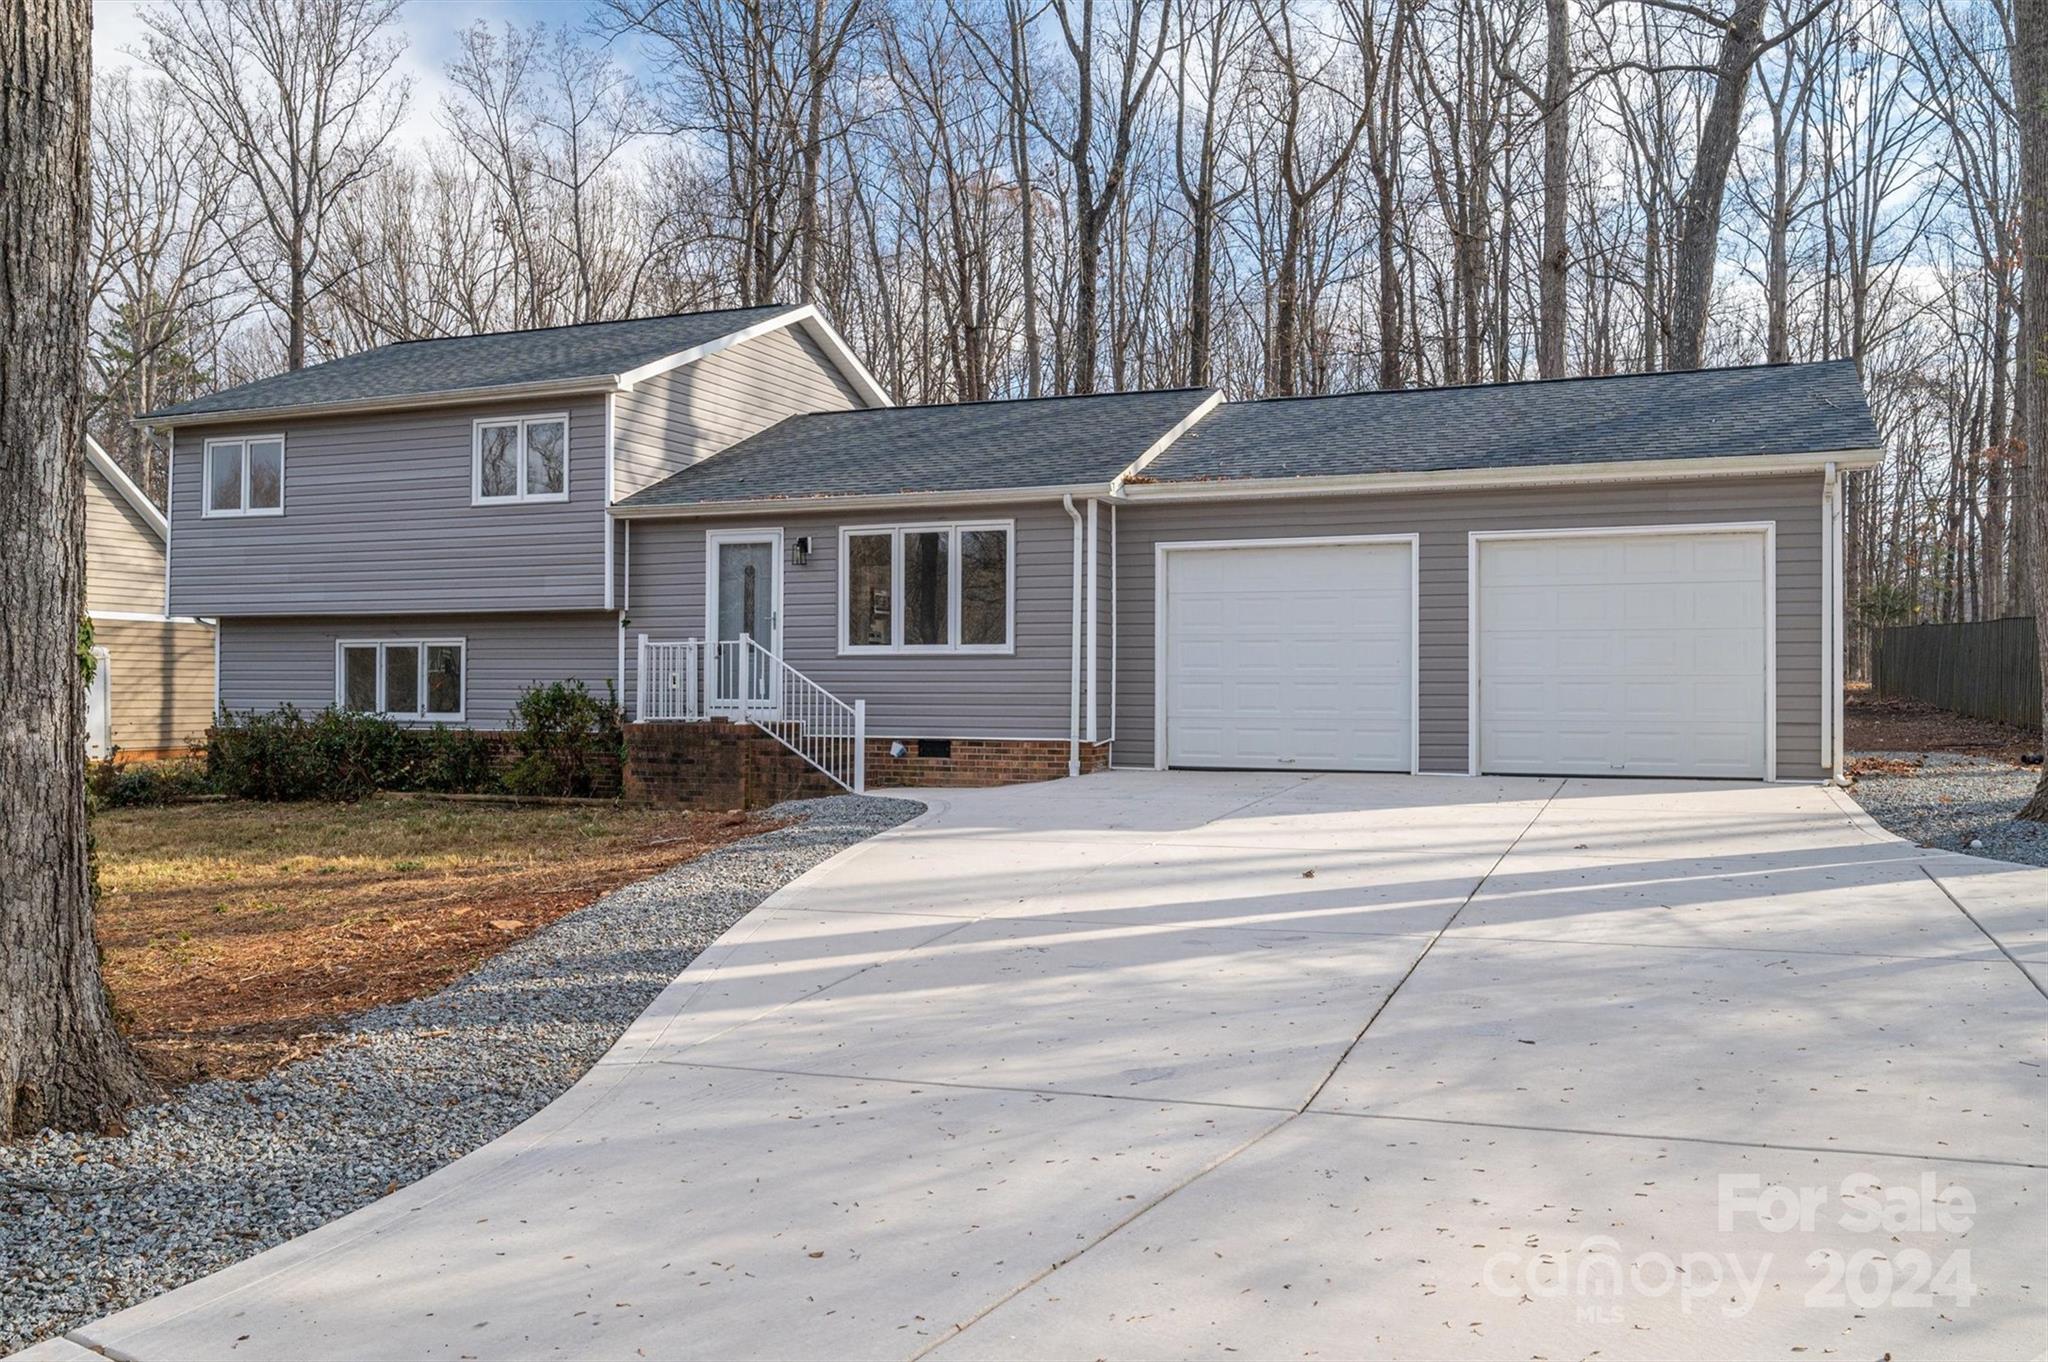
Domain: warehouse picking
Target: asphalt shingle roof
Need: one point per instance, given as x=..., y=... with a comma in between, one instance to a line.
x=1766, y=409
x=966, y=447
x=415, y=368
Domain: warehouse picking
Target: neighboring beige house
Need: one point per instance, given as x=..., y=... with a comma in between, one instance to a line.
x=152, y=693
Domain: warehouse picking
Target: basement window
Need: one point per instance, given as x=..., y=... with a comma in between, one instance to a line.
x=401, y=678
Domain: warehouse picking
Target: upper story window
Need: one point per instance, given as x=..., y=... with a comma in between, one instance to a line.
x=245, y=476
x=401, y=678
x=521, y=458
x=927, y=588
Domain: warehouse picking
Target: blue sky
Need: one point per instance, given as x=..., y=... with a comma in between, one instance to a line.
x=429, y=27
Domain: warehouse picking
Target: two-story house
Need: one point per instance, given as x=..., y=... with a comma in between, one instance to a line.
x=722, y=514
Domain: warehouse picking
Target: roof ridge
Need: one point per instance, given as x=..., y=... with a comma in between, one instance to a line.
x=1541, y=382
x=572, y=326
x=1001, y=401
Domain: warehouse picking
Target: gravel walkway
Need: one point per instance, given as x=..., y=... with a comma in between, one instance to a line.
x=90, y=1225
x=1952, y=801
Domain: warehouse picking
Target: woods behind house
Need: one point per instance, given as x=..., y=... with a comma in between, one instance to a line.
x=1000, y=198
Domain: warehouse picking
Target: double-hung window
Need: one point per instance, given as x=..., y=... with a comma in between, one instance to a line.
x=927, y=588
x=401, y=678
x=520, y=458
x=244, y=476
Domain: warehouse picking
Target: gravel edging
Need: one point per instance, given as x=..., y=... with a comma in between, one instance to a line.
x=89, y=1225
x=1952, y=801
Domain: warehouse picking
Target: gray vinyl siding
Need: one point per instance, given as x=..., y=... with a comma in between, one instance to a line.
x=124, y=559
x=268, y=662
x=377, y=520
x=966, y=695
x=671, y=421
x=1444, y=520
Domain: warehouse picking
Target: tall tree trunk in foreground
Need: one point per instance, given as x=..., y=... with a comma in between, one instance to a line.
x=2030, y=102
x=1557, y=149
x=61, y=1061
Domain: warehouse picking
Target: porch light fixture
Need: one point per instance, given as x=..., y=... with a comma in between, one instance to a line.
x=800, y=550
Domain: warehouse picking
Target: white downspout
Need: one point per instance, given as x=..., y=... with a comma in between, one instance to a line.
x=1838, y=643
x=1074, y=685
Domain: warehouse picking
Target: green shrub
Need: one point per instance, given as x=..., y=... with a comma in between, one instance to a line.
x=137, y=784
x=454, y=761
x=334, y=755
x=570, y=743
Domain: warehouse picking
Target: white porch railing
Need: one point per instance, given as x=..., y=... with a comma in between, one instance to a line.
x=739, y=679
x=668, y=686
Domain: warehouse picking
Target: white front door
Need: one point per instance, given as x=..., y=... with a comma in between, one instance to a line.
x=1290, y=657
x=1636, y=654
x=745, y=603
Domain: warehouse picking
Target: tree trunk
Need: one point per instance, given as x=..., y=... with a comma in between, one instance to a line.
x=1550, y=278
x=2030, y=102
x=61, y=1061
x=1699, y=216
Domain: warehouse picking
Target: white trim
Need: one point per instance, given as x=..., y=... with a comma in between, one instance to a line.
x=1836, y=607
x=1159, y=649
x=1165, y=442
x=130, y=493
x=620, y=698
x=520, y=496
x=1094, y=619
x=1114, y=629
x=954, y=529
x=216, y=671
x=880, y=502
x=610, y=489
x=1828, y=588
x=1635, y=470
x=382, y=711
x=713, y=539
x=144, y=617
x=245, y=511
x=841, y=354
x=170, y=499
x=1768, y=529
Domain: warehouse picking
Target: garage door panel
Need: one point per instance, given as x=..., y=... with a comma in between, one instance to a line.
x=1649, y=658
x=1311, y=667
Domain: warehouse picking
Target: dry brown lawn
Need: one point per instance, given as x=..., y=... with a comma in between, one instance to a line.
x=239, y=936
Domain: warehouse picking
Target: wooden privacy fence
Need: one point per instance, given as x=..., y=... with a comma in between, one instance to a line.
x=1991, y=668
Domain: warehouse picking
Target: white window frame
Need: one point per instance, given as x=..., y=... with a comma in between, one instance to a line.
x=242, y=442
x=953, y=529
x=382, y=711
x=520, y=494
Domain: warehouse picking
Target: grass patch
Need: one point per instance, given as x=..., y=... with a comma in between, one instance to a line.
x=238, y=936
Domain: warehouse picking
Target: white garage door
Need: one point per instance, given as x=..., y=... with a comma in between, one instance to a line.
x=1640, y=655
x=1298, y=657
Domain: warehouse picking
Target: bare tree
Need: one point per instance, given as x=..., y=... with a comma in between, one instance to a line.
x=1135, y=50
x=163, y=269
x=298, y=95
x=62, y=1063
x=2030, y=100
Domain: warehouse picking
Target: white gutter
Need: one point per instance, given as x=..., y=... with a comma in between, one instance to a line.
x=1074, y=697
x=874, y=502
x=1634, y=470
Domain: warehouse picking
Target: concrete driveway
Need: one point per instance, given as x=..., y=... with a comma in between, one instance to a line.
x=1148, y=1065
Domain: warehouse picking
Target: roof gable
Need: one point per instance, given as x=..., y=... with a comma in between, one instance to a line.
x=404, y=372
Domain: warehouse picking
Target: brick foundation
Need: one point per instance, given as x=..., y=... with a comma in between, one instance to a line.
x=715, y=765
x=976, y=761
x=721, y=765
